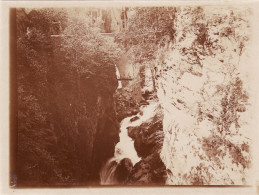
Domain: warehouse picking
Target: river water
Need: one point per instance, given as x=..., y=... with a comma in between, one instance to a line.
x=125, y=147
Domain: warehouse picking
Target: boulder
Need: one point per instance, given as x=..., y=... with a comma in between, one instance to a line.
x=148, y=171
x=144, y=136
x=123, y=170
x=134, y=118
x=148, y=138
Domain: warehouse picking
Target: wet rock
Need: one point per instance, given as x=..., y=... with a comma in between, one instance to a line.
x=148, y=138
x=143, y=149
x=123, y=170
x=141, y=113
x=134, y=111
x=126, y=113
x=134, y=118
x=131, y=132
x=144, y=136
x=148, y=171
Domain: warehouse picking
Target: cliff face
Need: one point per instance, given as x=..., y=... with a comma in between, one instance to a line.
x=67, y=125
x=204, y=97
x=199, y=74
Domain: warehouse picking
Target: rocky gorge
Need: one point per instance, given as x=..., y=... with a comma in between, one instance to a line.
x=199, y=134
x=133, y=96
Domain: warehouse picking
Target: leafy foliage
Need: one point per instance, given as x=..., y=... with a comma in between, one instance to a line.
x=233, y=102
x=146, y=30
x=64, y=70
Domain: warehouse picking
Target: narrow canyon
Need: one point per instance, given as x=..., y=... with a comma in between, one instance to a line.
x=133, y=96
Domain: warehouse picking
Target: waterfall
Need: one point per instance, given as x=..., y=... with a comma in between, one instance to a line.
x=107, y=173
x=118, y=77
x=125, y=147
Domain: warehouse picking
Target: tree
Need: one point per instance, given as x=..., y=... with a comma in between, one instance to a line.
x=64, y=67
x=148, y=29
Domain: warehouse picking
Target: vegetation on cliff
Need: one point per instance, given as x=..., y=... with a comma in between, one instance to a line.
x=197, y=57
x=65, y=83
x=188, y=61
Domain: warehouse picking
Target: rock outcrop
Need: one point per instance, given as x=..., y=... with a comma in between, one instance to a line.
x=148, y=139
x=204, y=97
x=123, y=170
x=198, y=70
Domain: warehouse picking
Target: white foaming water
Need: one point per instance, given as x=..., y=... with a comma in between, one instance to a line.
x=125, y=147
x=118, y=77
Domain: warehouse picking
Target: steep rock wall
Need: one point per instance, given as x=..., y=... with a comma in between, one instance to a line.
x=204, y=96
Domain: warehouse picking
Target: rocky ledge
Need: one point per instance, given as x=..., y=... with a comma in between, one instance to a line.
x=148, y=139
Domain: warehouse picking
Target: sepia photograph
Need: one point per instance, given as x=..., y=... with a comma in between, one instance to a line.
x=132, y=96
